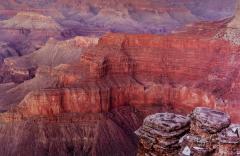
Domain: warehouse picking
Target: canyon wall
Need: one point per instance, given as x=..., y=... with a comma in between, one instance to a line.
x=176, y=72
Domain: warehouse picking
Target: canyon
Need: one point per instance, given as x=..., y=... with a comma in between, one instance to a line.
x=79, y=79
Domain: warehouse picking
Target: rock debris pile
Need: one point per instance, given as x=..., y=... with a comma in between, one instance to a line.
x=204, y=132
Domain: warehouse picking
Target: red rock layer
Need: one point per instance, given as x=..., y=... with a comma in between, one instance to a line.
x=179, y=71
x=174, y=73
x=72, y=134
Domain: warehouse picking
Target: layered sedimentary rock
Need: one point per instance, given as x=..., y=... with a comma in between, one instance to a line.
x=53, y=53
x=205, y=126
x=72, y=134
x=210, y=121
x=160, y=134
x=30, y=20
x=86, y=96
x=126, y=16
x=171, y=73
x=159, y=68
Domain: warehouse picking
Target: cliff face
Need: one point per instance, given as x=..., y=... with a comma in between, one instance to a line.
x=118, y=76
x=72, y=134
x=182, y=71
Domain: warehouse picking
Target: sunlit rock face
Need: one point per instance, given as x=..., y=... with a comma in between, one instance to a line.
x=170, y=73
x=67, y=89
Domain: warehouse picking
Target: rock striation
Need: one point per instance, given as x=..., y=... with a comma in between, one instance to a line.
x=209, y=133
x=140, y=16
x=205, y=126
x=31, y=20
x=160, y=134
x=73, y=134
x=86, y=96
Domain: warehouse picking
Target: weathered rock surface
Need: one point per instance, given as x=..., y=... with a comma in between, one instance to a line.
x=157, y=80
x=140, y=16
x=231, y=32
x=72, y=134
x=86, y=96
x=208, y=120
x=169, y=72
x=205, y=124
x=160, y=134
x=171, y=134
x=31, y=20
x=52, y=54
x=229, y=141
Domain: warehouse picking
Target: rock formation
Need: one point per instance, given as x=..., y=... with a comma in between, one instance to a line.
x=31, y=20
x=205, y=125
x=208, y=134
x=146, y=72
x=72, y=134
x=69, y=95
x=140, y=16
x=229, y=141
x=160, y=134
x=52, y=54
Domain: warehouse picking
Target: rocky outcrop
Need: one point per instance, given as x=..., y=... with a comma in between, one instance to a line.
x=229, y=141
x=205, y=125
x=208, y=134
x=160, y=134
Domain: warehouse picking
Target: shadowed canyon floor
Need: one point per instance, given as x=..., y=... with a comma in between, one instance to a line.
x=80, y=78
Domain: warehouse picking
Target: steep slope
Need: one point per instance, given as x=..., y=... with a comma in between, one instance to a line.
x=149, y=65
x=70, y=134
x=145, y=72
x=6, y=51
x=86, y=96
x=52, y=54
x=232, y=30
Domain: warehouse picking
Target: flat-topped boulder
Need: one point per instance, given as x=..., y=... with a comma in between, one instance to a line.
x=167, y=122
x=209, y=120
x=161, y=132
